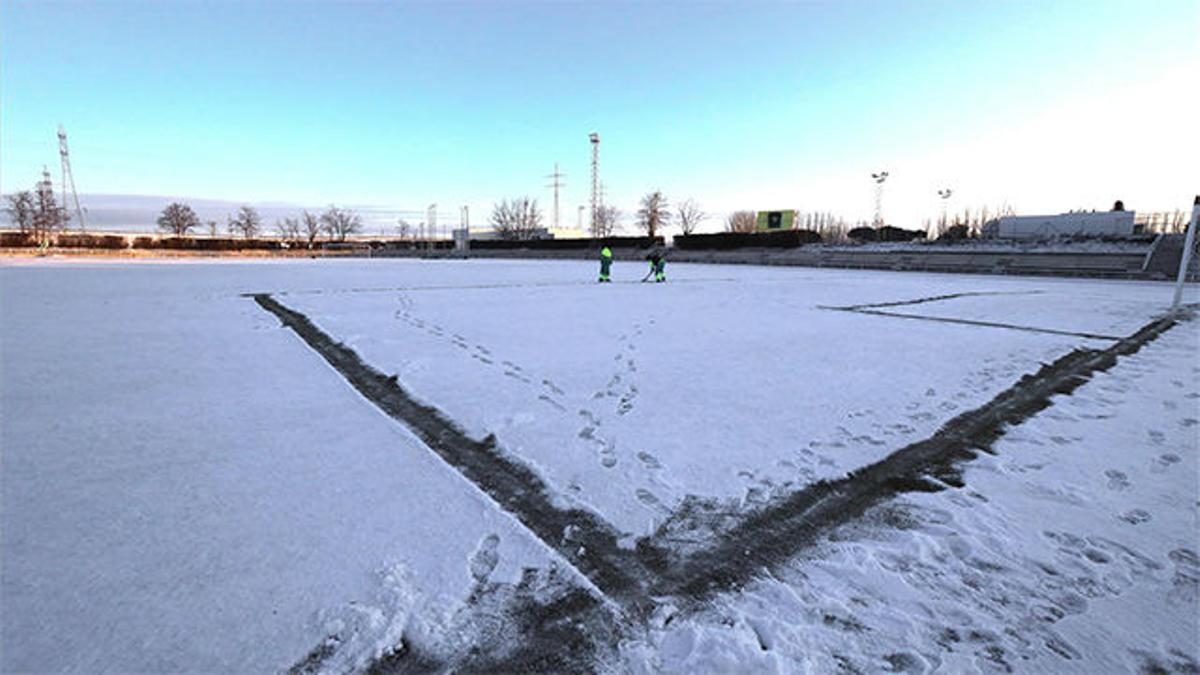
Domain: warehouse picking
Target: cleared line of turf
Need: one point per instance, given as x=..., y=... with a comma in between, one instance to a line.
x=779, y=531
x=782, y=529
x=584, y=539
x=982, y=324
x=933, y=298
x=768, y=537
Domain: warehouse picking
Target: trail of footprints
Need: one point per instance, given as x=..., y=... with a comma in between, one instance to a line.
x=603, y=408
x=617, y=397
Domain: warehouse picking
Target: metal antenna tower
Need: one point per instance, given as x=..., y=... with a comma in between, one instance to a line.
x=46, y=187
x=556, y=184
x=596, y=198
x=68, y=178
x=945, y=195
x=879, y=178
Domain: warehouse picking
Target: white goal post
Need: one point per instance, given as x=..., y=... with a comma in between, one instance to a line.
x=1189, y=242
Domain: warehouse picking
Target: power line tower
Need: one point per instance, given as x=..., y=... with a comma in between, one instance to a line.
x=45, y=192
x=47, y=216
x=879, y=178
x=68, y=178
x=596, y=199
x=556, y=184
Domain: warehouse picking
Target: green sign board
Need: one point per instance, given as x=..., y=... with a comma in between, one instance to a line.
x=770, y=221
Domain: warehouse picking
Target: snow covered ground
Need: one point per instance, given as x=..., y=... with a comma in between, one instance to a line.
x=187, y=486
x=1072, y=550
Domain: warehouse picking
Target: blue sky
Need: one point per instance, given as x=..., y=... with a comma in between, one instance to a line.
x=1046, y=106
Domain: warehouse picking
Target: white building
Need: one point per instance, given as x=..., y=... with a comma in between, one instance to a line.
x=1103, y=224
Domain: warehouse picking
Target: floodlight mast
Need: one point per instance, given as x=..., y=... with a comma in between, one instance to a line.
x=879, y=178
x=596, y=199
x=945, y=195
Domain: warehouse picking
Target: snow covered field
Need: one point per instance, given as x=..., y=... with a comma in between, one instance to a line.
x=189, y=486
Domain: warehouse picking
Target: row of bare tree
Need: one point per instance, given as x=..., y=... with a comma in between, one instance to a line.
x=36, y=212
x=520, y=218
x=179, y=219
x=969, y=222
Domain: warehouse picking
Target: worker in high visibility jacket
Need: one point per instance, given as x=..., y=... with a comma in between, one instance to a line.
x=658, y=267
x=605, y=265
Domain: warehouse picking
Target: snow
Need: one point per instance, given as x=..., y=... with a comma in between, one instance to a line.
x=186, y=486
x=1072, y=550
x=722, y=383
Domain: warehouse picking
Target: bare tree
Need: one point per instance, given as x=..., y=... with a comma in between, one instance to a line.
x=741, y=221
x=21, y=210
x=288, y=229
x=48, y=216
x=340, y=223
x=246, y=222
x=311, y=225
x=831, y=227
x=178, y=219
x=654, y=214
x=404, y=229
x=607, y=216
x=212, y=228
x=517, y=218
x=690, y=216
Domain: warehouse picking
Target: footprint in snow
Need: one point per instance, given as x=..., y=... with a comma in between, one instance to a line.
x=1136, y=516
x=555, y=404
x=1117, y=480
x=608, y=457
x=649, y=460
x=485, y=558
x=1186, y=581
x=1168, y=459
x=647, y=497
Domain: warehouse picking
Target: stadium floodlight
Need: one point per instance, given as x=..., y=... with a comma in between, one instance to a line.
x=879, y=177
x=945, y=193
